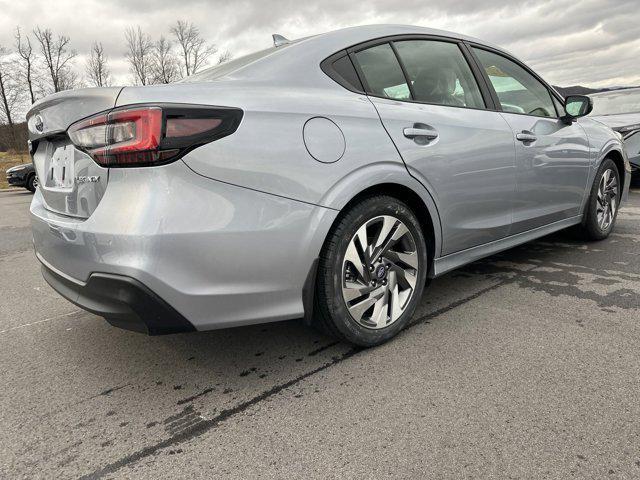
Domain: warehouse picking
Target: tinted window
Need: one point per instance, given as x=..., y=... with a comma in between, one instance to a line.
x=439, y=73
x=346, y=73
x=518, y=90
x=382, y=72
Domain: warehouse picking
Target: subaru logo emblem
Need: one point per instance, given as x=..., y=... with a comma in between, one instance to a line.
x=39, y=123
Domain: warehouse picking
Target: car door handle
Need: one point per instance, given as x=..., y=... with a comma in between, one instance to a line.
x=526, y=137
x=420, y=134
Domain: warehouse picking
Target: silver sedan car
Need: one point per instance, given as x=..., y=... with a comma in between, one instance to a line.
x=326, y=178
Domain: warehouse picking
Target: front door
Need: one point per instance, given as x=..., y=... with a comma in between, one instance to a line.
x=552, y=157
x=434, y=112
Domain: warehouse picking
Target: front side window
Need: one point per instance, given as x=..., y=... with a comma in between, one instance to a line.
x=517, y=90
x=439, y=73
x=382, y=72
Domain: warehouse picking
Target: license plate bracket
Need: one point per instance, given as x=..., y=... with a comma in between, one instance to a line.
x=60, y=172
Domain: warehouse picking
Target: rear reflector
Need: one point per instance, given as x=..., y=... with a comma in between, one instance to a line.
x=181, y=127
x=148, y=135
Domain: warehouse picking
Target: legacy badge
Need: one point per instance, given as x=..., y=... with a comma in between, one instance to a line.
x=88, y=179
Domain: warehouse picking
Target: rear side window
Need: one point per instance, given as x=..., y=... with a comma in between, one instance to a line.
x=517, y=90
x=342, y=71
x=382, y=72
x=439, y=73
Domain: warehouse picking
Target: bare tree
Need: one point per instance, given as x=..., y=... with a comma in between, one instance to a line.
x=97, y=67
x=28, y=57
x=9, y=92
x=69, y=79
x=165, y=64
x=139, y=55
x=194, y=49
x=57, y=57
x=224, y=57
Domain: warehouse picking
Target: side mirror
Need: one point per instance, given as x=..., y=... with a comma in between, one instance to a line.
x=576, y=106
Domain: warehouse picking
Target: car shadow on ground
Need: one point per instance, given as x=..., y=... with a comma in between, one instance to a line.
x=222, y=358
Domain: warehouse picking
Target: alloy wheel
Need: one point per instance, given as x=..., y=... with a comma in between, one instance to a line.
x=607, y=201
x=379, y=272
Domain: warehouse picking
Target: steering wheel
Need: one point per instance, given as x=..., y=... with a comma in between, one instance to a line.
x=539, y=112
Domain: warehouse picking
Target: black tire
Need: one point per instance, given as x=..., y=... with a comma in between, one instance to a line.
x=330, y=313
x=31, y=185
x=591, y=228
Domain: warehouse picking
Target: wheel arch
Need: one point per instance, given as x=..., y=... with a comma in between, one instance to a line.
x=396, y=184
x=394, y=180
x=413, y=201
x=610, y=150
x=429, y=223
x=616, y=156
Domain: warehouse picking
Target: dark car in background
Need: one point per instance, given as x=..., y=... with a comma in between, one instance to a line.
x=23, y=176
x=620, y=110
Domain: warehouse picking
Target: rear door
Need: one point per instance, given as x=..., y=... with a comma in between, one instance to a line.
x=434, y=111
x=552, y=157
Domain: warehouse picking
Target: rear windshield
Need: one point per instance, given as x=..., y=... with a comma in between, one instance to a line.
x=230, y=66
x=614, y=103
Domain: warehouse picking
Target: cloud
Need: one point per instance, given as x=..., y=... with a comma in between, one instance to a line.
x=588, y=42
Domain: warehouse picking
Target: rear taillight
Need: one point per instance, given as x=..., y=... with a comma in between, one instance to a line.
x=145, y=135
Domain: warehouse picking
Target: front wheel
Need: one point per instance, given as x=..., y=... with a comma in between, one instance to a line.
x=604, y=201
x=32, y=183
x=372, y=272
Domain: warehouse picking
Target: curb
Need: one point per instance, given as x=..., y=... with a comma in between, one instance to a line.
x=13, y=189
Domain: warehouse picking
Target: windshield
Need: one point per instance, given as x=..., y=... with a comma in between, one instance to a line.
x=231, y=66
x=613, y=103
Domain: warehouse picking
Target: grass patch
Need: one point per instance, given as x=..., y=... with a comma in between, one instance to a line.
x=8, y=160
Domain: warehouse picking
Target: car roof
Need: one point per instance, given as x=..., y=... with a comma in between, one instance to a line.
x=347, y=37
x=296, y=61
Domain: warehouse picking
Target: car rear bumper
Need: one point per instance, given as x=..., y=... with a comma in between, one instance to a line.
x=123, y=301
x=218, y=255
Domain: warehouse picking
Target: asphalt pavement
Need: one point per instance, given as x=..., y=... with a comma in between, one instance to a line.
x=523, y=365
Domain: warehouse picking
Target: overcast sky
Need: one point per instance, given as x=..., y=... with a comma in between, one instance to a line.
x=587, y=42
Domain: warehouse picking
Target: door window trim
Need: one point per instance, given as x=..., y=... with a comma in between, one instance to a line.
x=550, y=90
x=412, y=92
x=485, y=92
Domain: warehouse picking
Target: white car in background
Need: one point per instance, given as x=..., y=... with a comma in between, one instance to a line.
x=620, y=110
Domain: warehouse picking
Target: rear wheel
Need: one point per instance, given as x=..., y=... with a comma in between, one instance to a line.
x=372, y=272
x=32, y=183
x=604, y=201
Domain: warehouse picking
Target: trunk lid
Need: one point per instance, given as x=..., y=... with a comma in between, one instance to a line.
x=71, y=183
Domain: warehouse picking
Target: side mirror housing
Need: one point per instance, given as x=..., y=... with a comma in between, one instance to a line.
x=576, y=106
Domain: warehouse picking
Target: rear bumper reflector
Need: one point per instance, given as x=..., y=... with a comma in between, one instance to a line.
x=123, y=301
